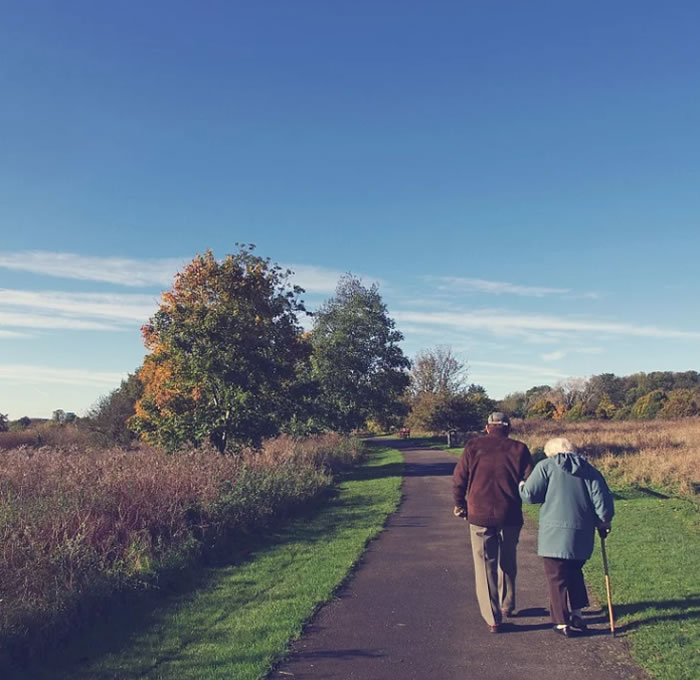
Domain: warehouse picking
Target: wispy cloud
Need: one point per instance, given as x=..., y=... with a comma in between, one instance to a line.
x=122, y=307
x=24, y=320
x=556, y=355
x=315, y=279
x=553, y=356
x=117, y=270
x=519, y=324
x=495, y=287
x=14, y=334
x=24, y=373
x=141, y=273
x=525, y=369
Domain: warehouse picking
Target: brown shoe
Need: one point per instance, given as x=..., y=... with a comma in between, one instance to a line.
x=495, y=628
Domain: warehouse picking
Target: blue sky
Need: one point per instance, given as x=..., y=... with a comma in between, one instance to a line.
x=522, y=179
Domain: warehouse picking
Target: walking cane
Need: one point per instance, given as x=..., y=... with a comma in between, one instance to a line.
x=607, y=585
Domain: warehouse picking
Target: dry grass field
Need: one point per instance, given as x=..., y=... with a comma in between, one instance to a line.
x=654, y=453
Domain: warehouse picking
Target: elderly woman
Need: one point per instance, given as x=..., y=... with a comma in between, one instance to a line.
x=575, y=501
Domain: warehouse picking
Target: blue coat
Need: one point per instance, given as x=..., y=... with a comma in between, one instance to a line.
x=575, y=499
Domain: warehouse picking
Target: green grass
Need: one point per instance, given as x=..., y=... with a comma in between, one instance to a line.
x=236, y=621
x=654, y=562
x=654, y=565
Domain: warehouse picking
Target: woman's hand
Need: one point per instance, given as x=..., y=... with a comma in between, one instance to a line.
x=604, y=528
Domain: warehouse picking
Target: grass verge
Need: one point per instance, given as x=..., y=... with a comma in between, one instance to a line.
x=236, y=620
x=654, y=562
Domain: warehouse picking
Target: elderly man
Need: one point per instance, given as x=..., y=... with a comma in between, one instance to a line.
x=485, y=490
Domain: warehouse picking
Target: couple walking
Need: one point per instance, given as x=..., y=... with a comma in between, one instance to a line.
x=490, y=481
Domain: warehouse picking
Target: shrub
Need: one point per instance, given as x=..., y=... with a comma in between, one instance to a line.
x=681, y=404
x=648, y=406
x=542, y=409
x=77, y=526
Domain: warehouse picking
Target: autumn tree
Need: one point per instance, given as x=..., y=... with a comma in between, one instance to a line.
x=437, y=371
x=224, y=349
x=441, y=399
x=357, y=362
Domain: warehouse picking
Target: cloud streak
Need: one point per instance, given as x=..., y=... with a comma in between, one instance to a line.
x=142, y=273
x=495, y=287
x=26, y=373
x=519, y=324
x=121, y=307
x=117, y=270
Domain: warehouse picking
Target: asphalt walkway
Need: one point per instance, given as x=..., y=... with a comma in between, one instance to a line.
x=409, y=610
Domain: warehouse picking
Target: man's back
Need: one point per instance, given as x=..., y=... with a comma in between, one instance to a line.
x=488, y=472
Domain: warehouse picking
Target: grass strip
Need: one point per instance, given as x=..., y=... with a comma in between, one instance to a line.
x=654, y=562
x=238, y=623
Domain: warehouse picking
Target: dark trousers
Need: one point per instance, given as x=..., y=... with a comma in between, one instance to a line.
x=565, y=581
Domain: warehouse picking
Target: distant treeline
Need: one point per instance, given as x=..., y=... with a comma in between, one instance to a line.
x=641, y=396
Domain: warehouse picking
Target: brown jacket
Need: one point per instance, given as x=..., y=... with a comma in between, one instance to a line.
x=487, y=474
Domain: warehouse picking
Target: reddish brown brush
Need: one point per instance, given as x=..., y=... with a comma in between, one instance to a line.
x=76, y=525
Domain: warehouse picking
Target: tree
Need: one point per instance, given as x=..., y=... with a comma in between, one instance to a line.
x=649, y=405
x=439, y=413
x=110, y=415
x=542, y=409
x=24, y=422
x=681, y=403
x=514, y=404
x=437, y=371
x=59, y=416
x=606, y=408
x=356, y=361
x=224, y=345
x=4, y=423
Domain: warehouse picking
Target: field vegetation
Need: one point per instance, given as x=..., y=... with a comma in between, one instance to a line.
x=237, y=619
x=661, y=454
x=78, y=526
x=653, y=468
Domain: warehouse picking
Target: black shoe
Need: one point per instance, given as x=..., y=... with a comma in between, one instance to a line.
x=507, y=613
x=577, y=622
x=565, y=631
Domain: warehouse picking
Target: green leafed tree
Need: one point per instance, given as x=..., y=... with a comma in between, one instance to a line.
x=681, y=403
x=108, y=418
x=225, y=347
x=649, y=406
x=357, y=362
x=542, y=409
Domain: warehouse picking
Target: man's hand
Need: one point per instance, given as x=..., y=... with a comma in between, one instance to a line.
x=459, y=511
x=604, y=529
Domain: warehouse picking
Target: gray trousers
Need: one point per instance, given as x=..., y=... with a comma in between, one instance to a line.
x=495, y=567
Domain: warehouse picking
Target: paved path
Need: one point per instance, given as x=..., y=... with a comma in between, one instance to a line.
x=409, y=611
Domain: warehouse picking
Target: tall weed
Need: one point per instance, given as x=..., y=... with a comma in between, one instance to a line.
x=657, y=453
x=79, y=525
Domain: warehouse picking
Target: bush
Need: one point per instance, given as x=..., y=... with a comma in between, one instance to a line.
x=78, y=526
x=649, y=406
x=542, y=409
x=681, y=404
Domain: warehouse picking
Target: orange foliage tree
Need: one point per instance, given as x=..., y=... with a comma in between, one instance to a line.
x=225, y=350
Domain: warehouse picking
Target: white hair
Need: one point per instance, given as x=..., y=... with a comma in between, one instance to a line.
x=558, y=445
